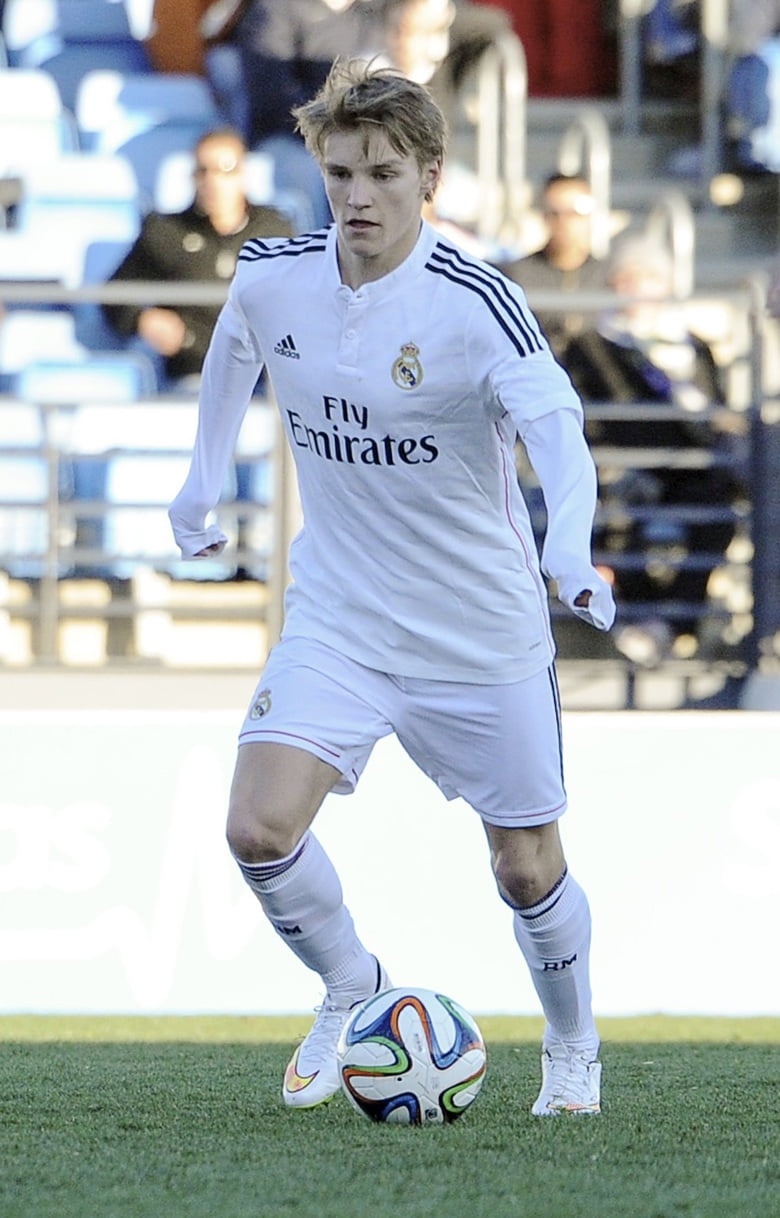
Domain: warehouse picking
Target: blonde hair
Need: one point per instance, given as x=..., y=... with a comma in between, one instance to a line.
x=358, y=96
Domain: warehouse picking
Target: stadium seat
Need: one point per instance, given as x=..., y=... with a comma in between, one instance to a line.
x=113, y=106
x=70, y=38
x=26, y=23
x=144, y=117
x=24, y=258
x=32, y=334
x=34, y=125
x=75, y=60
x=29, y=94
x=81, y=197
x=107, y=376
x=100, y=260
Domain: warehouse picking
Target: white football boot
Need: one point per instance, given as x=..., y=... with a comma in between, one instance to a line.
x=311, y=1077
x=571, y=1083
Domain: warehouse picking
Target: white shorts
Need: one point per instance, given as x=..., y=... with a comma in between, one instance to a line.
x=496, y=746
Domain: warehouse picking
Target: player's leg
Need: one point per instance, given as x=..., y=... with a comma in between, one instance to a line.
x=276, y=793
x=499, y=748
x=552, y=926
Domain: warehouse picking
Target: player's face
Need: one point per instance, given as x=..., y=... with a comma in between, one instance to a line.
x=376, y=196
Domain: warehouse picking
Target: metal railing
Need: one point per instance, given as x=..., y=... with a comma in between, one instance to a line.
x=500, y=135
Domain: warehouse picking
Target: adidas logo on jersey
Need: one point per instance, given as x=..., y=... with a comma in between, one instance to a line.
x=286, y=346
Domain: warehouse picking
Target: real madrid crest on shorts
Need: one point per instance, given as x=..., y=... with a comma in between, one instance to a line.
x=262, y=704
x=407, y=369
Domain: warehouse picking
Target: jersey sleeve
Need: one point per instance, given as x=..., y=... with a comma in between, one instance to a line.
x=521, y=375
x=511, y=359
x=230, y=371
x=563, y=463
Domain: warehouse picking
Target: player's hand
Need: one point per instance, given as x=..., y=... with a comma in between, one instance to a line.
x=195, y=542
x=589, y=598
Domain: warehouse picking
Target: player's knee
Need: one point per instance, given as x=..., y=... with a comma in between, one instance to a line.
x=519, y=882
x=527, y=863
x=254, y=838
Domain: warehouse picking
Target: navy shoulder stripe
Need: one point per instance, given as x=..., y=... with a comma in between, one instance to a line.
x=519, y=326
x=257, y=248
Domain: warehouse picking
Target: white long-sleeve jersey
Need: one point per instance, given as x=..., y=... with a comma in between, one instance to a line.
x=401, y=402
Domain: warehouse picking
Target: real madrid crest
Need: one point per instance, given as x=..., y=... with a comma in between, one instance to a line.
x=262, y=704
x=407, y=370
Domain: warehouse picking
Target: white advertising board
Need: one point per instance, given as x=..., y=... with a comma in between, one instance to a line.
x=118, y=894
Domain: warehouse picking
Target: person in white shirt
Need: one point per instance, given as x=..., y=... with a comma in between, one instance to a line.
x=404, y=370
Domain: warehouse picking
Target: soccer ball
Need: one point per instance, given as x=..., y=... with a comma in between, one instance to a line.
x=411, y=1057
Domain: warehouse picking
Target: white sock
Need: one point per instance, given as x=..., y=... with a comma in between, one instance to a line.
x=302, y=898
x=554, y=937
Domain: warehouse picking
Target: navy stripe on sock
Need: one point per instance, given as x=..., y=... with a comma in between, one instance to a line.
x=270, y=871
x=548, y=902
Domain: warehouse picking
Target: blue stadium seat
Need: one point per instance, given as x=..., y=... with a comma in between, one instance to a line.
x=113, y=106
x=29, y=334
x=70, y=38
x=107, y=376
x=34, y=124
x=24, y=258
x=145, y=118
x=101, y=258
x=78, y=198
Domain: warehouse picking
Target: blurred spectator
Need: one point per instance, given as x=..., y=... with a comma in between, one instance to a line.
x=752, y=93
x=643, y=352
x=671, y=48
x=199, y=244
x=565, y=262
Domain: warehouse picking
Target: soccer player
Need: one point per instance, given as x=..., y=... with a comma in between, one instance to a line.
x=404, y=370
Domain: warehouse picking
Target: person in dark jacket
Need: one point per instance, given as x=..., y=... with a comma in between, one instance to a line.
x=199, y=244
x=565, y=263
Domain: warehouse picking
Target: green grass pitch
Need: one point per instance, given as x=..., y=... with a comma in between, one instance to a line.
x=181, y=1118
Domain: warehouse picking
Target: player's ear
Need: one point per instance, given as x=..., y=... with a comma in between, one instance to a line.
x=431, y=176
